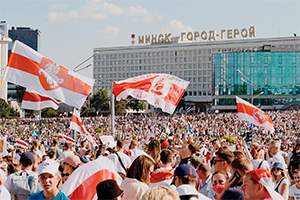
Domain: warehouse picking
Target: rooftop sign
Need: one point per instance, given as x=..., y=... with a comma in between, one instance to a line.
x=211, y=35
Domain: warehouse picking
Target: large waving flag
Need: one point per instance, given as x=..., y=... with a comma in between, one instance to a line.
x=34, y=101
x=160, y=90
x=254, y=115
x=77, y=125
x=30, y=69
x=82, y=183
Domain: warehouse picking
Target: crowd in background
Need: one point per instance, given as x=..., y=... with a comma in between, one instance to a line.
x=215, y=156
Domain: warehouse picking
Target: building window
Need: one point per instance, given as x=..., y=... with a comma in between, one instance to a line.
x=265, y=70
x=266, y=59
x=251, y=59
x=280, y=70
x=294, y=59
x=280, y=59
x=294, y=69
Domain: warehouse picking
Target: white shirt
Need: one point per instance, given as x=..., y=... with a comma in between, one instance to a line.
x=294, y=192
x=66, y=154
x=276, y=158
x=4, y=193
x=264, y=165
x=136, y=153
x=125, y=160
x=280, y=187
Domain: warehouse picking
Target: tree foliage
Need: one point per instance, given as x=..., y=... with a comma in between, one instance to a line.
x=49, y=112
x=100, y=101
x=6, y=111
x=134, y=104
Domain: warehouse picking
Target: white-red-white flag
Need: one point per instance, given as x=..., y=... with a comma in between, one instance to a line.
x=248, y=112
x=182, y=118
x=157, y=131
x=77, y=125
x=160, y=90
x=30, y=69
x=21, y=143
x=82, y=183
x=64, y=138
x=34, y=101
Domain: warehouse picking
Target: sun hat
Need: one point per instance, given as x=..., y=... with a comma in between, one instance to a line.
x=277, y=165
x=72, y=160
x=108, y=189
x=264, y=177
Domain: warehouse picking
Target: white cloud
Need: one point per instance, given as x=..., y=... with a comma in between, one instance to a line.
x=176, y=27
x=58, y=6
x=99, y=9
x=109, y=31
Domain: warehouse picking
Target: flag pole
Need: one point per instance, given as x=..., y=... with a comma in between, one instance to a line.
x=112, y=111
x=40, y=126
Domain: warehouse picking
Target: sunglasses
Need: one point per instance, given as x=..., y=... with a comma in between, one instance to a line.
x=215, y=161
x=66, y=174
x=276, y=169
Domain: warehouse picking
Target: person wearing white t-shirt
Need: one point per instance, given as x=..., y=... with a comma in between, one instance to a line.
x=274, y=153
x=294, y=192
x=258, y=161
x=281, y=184
x=121, y=161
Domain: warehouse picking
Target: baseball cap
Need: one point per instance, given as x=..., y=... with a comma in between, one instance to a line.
x=264, y=177
x=184, y=169
x=255, y=150
x=72, y=160
x=165, y=144
x=27, y=158
x=48, y=166
x=108, y=189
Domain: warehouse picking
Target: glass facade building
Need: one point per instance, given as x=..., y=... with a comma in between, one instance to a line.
x=265, y=77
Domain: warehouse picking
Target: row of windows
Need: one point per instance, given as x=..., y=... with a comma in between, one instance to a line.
x=153, y=68
x=156, y=54
x=154, y=61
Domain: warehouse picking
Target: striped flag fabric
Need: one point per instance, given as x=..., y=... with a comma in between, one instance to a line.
x=159, y=90
x=82, y=183
x=30, y=69
x=175, y=119
x=34, y=101
x=193, y=108
x=259, y=106
x=188, y=110
x=64, y=138
x=21, y=143
x=182, y=118
x=77, y=125
x=157, y=131
x=33, y=126
x=252, y=114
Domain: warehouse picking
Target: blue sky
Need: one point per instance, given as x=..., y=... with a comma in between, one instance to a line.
x=70, y=29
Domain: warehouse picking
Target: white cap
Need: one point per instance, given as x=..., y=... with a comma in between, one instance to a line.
x=48, y=166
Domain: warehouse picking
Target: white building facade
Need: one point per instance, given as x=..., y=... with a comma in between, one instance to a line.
x=190, y=61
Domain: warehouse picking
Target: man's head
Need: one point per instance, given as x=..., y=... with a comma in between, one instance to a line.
x=26, y=160
x=203, y=171
x=258, y=185
x=223, y=159
x=134, y=144
x=274, y=147
x=166, y=156
x=242, y=165
x=185, y=174
x=120, y=144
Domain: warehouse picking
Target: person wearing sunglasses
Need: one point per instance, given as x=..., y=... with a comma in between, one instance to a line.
x=281, y=184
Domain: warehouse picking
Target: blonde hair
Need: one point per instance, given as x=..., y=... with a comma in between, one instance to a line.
x=160, y=193
x=59, y=184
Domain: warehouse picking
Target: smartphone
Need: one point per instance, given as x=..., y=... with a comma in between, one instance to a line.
x=237, y=176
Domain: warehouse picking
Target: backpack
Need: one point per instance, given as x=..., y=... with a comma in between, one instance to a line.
x=294, y=163
x=23, y=184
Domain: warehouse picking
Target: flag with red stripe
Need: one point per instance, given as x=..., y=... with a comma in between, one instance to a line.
x=77, y=125
x=64, y=138
x=21, y=143
x=160, y=90
x=254, y=115
x=82, y=183
x=30, y=69
x=182, y=118
x=34, y=101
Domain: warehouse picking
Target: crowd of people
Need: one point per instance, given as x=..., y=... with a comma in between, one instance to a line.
x=214, y=156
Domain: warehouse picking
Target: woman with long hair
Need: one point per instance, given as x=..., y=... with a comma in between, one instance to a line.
x=281, y=184
x=138, y=178
x=154, y=149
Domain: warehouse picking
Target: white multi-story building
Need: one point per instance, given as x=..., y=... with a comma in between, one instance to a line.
x=4, y=41
x=189, y=61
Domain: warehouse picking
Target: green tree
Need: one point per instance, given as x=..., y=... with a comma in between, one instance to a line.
x=120, y=107
x=134, y=104
x=49, y=112
x=20, y=93
x=100, y=101
x=6, y=111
